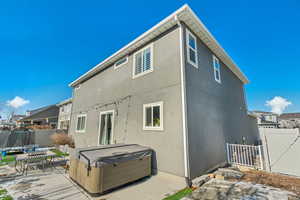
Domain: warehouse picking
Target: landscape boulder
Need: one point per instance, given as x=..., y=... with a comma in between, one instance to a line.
x=229, y=173
x=222, y=189
x=197, y=182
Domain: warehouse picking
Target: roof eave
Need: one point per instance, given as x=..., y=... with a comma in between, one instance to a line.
x=64, y=102
x=169, y=21
x=217, y=48
x=128, y=46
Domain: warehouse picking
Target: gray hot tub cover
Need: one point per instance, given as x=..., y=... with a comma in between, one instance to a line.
x=111, y=154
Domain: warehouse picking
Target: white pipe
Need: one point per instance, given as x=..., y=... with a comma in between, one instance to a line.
x=183, y=100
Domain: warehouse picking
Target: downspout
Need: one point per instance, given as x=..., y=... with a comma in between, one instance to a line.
x=71, y=115
x=184, y=108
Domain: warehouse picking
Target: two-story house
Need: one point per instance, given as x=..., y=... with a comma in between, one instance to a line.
x=45, y=116
x=64, y=116
x=174, y=89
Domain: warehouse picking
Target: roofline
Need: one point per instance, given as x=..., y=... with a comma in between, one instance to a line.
x=252, y=115
x=173, y=17
x=66, y=101
x=42, y=110
x=240, y=74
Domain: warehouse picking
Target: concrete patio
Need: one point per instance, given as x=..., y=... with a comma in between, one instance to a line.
x=54, y=184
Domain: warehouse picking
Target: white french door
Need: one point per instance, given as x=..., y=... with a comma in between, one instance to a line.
x=106, y=126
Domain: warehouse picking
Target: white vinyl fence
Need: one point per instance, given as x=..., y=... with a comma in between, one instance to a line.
x=245, y=155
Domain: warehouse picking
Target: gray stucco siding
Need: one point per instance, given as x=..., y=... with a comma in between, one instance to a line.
x=216, y=113
x=115, y=89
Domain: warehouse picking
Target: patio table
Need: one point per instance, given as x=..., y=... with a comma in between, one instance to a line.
x=22, y=159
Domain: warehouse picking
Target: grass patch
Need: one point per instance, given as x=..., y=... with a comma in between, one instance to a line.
x=59, y=153
x=4, y=196
x=3, y=191
x=7, y=159
x=180, y=194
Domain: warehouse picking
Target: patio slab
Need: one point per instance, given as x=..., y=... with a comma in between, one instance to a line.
x=156, y=187
x=54, y=184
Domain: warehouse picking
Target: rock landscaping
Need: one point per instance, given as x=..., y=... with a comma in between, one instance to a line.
x=233, y=183
x=222, y=189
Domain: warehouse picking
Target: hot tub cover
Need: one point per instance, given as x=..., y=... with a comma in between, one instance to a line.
x=111, y=154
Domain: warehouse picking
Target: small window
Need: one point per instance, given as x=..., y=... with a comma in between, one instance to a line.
x=191, y=44
x=153, y=116
x=217, y=69
x=143, y=61
x=81, y=123
x=121, y=62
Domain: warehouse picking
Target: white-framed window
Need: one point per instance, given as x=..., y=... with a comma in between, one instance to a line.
x=153, y=116
x=217, y=69
x=143, y=61
x=81, y=123
x=191, y=45
x=121, y=62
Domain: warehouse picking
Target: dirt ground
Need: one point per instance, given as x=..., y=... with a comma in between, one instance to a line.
x=288, y=183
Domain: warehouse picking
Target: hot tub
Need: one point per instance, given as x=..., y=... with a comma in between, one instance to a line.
x=102, y=168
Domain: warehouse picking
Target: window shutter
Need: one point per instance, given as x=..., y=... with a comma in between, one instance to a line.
x=138, y=63
x=147, y=59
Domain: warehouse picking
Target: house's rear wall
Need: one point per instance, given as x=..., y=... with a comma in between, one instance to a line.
x=163, y=84
x=216, y=113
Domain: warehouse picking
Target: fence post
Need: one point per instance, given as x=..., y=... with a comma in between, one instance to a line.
x=260, y=157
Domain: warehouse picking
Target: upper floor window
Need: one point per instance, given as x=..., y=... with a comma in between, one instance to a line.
x=217, y=69
x=191, y=44
x=143, y=61
x=153, y=116
x=121, y=62
x=81, y=123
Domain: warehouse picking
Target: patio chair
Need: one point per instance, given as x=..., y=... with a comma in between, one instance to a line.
x=33, y=162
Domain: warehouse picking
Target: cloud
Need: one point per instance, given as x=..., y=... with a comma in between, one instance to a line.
x=17, y=102
x=278, y=104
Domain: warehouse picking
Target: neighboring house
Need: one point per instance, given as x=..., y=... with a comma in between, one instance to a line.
x=43, y=116
x=64, y=117
x=266, y=119
x=6, y=124
x=174, y=89
x=15, y=119
x=289, y=120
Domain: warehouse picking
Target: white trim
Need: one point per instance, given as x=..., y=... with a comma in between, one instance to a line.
x=113, y=123
x=183, y=101
x=214, y=45
x=67, y=101
x=161, y=116
x=120, y=65
x=77, y=87
x=217, y=70
x=188, y=47
x=81, y=115
x=151, y=62
x=185, y=14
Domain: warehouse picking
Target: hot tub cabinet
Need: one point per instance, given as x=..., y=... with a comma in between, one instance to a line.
x=102, y=168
